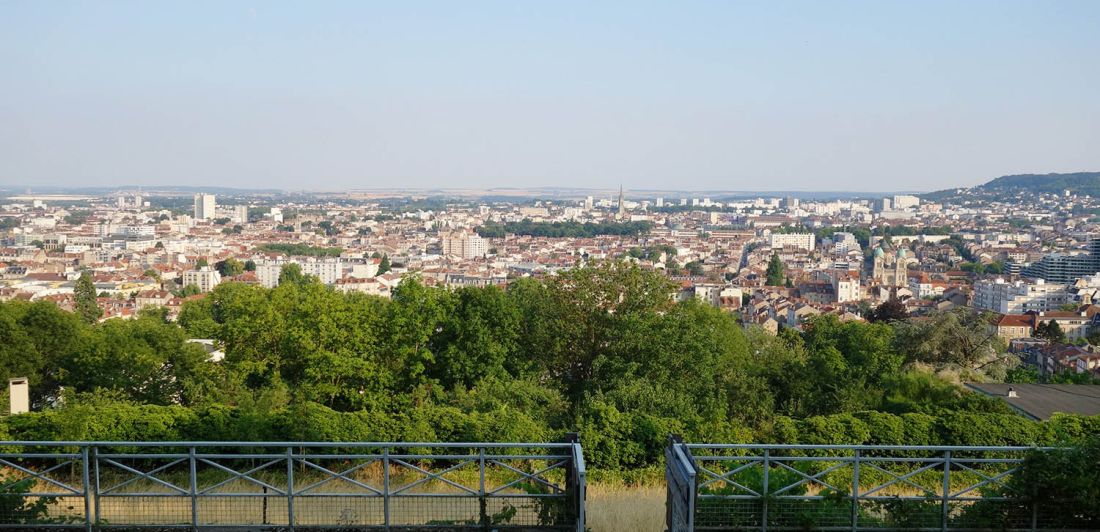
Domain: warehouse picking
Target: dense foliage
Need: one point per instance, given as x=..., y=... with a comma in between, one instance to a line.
x=604, y=350
x=563, y=229
x=300, y=250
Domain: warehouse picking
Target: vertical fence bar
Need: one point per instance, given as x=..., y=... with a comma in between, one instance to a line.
x=193, y=487
x=483, y=513
x=581, y=490
x=855, y=491
x=86, y=482
x=946, y=489
x=290, y=487
x=764, y=493
x=386, y=486
x=95, y=464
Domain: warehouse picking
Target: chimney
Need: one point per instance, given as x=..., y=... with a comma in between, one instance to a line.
x=1011, y=392
x=19, y=395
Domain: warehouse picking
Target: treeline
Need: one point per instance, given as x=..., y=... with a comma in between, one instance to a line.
x=634, y=442
x=300, y=250
x=603, y=350
x=563, y=229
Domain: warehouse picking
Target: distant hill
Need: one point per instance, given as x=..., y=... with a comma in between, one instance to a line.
x=1076, y=183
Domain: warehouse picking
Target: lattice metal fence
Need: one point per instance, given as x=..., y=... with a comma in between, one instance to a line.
x=281, y=486
x=850, y=487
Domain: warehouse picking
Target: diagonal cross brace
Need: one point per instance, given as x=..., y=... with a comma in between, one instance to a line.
x=725, y=477
x=986, y=479
x=140, y=475
x=334, y=475
x=900, y=478
x=237, y=475
x=41, y=475
x=530, y=476
x=428, y=476
x=807, y=478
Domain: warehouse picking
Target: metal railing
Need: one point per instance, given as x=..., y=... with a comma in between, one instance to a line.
x=848, y=487
x=301, y=485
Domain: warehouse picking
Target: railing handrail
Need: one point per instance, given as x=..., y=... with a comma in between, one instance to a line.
x=843, y=447
x=377, y=445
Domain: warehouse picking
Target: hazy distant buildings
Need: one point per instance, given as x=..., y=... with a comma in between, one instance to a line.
x=844, y=243
x=905, y=201
x=237, y=214
x=205, y=206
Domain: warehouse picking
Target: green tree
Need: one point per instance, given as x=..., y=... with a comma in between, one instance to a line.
x=889, y=311
x=384, y=265
x=1051, y=331
x=201, y=263
x=86, y=305
x=230, y=267
x=961, y=337
x=145, y=358
x=291, y=273
x=580, y=321
x=775, y=271
x=249, y=265
x=477, y=339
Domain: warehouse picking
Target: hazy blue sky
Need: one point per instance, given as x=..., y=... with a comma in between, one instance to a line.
x=875, y=95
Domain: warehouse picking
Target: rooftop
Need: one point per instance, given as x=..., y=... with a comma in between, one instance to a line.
x=1041, y=401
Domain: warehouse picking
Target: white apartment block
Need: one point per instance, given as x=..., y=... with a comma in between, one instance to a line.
x=464, y=245
x=205, y=206
x=205, y=278
x=1019, y=297
x=804, y=241
x=902, y=202
x=327, y=270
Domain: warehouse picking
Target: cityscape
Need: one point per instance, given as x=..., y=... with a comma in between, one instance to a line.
x=571, y=266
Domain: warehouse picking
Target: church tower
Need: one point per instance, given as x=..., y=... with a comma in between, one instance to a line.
x=622, y=206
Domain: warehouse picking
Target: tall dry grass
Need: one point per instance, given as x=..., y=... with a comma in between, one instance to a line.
x=619, y=508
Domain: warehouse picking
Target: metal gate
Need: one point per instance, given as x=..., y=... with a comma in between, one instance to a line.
x=286, y=486
x=680, y=482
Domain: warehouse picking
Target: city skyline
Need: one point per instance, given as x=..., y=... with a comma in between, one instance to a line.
x=856, y=96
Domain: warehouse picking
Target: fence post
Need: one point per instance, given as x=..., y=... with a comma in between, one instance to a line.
x=86, y=480
x=764, y=493
x=290, y=487
x=95, y=463
x=855, y=491
x=946, y=488
x=386, y=486
x=581, y=482
x=193, y=487
x=483, y=513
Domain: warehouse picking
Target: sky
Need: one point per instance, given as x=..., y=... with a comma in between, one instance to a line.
x=879, y=95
